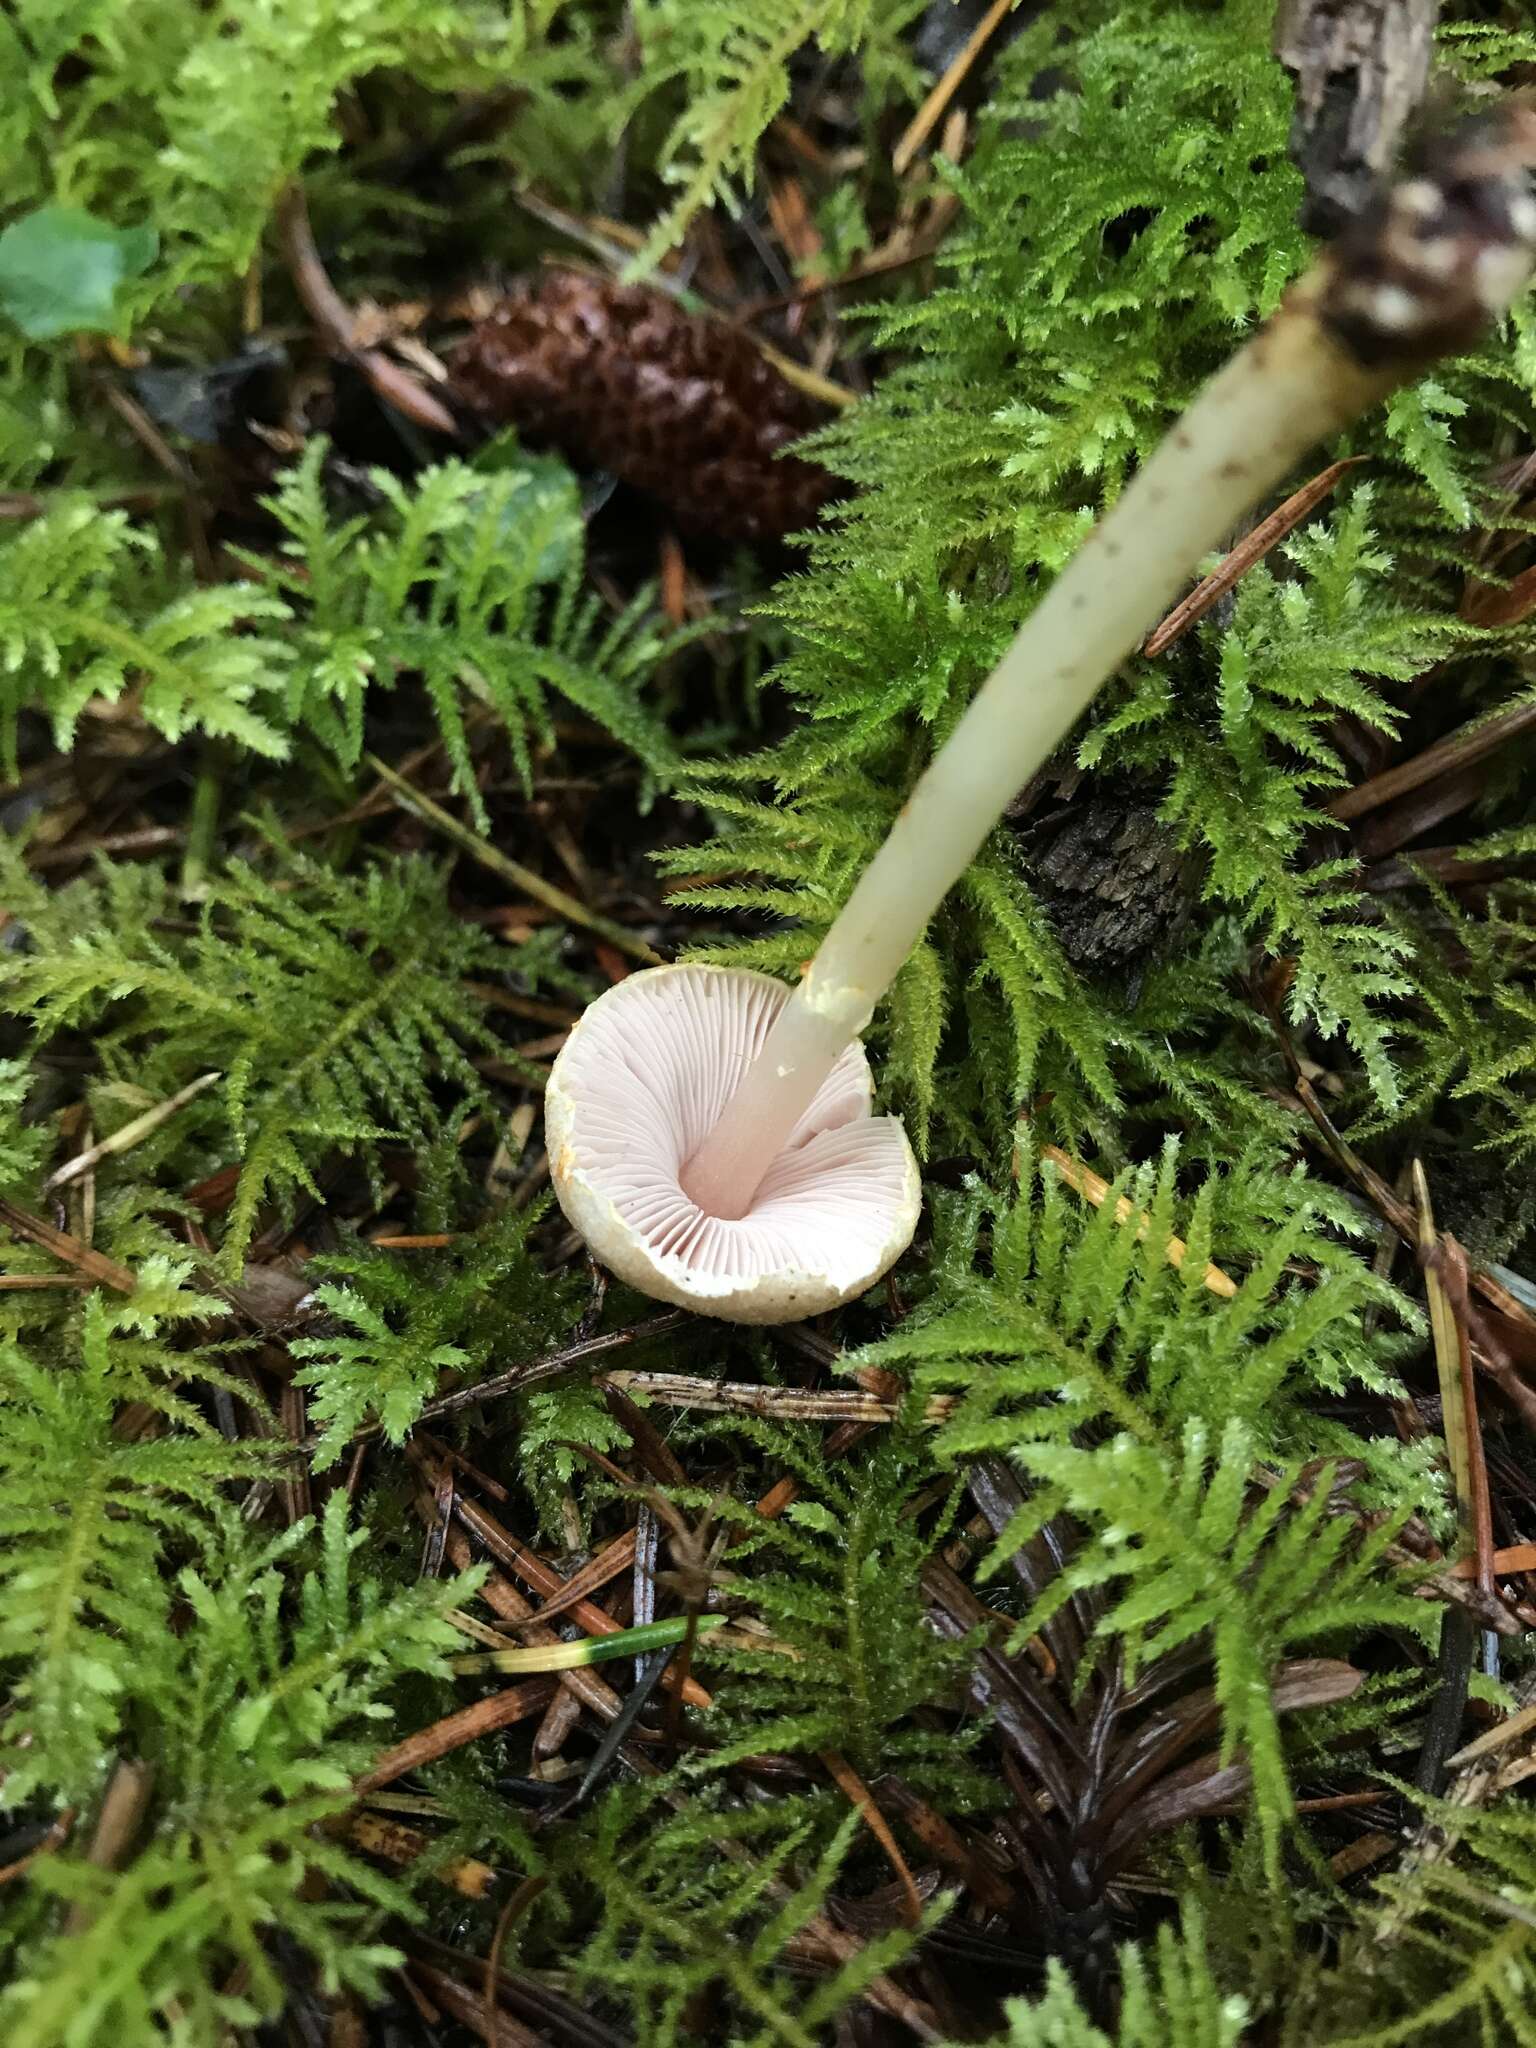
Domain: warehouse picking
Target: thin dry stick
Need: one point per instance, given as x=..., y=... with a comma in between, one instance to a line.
x=294, y=1486
x=145, y=839
x=500, y=2030
x=54, y=1838
x=522, y=1898
x=520, y=1006
x=1250, y=549
x=1093, y=1189
x=92, y=1265
x=561, y=1718
x=610, y=1562
x=1445, y=1271
x=1492, y=604
x=453, y=1731
x=859, y=1796
x=947, y=1846
x=33, y=504
x=779, y=1404
x=931, y=112
x=533, y=1571
x=480, y=1631
x=1497, y=1738
x=511, y=871
x=1412, y=816
x=553, y=1365
x=1486, y=1349
x=149, y=436
x=1516, y=1557
x=503, y=1598
x=1442, y=1323
x=81, y=1202
x=811, y=382
x=335, y=320
x=131, y=1134
x=1460, y=749
x=1404, y=1221
x=1480, y=1777
x=777, y=302
x=123, y=1807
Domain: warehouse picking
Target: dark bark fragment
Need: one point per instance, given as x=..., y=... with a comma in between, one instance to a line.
x=1113, y=881
x=1360, y=68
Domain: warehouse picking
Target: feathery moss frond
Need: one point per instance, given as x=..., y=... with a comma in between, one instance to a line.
x=256, y=1716
x=472, y=581
x=334, y=1006
x=70, y=631
x=708, y=1901
x=1170, y=1999
x=86, y=1519
x=1144, y=1407
x=837, y=1579
x=731, y=62
x=399, y=1325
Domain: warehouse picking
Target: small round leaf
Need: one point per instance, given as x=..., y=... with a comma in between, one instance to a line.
x=60, y=269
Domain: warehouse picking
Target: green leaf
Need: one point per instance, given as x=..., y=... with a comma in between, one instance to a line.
x=547, y=501
x=60, y=269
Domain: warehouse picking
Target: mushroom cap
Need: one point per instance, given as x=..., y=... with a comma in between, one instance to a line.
x=641, y=1079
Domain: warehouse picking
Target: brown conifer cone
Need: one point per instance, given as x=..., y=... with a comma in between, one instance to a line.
x=683, y=407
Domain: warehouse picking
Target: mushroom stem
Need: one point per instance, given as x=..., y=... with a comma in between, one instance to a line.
x=1439, y=256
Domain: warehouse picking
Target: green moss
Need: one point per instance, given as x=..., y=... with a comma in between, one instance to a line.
x=1200, y=1490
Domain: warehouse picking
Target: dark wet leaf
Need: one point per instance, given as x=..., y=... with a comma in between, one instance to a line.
x=207, y=401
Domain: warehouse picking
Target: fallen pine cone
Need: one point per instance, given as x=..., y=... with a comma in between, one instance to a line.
x=682, y=407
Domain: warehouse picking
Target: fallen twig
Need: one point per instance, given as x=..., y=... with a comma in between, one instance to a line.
x=453, y=1731
x=1469, y=743
x=49, y=1838
x=335, y=320
x=931, y=112
x=554, y=1364
x=859, y=1796
x=123, y=1806
x=478, y=849
x=131, y=1134
x=778, y=1404
x=93, y=1265
x=1445, y=1287
x=533, y=1571
x=1250, y=549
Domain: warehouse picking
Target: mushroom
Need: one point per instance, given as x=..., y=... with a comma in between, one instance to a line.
x=1419, y=275
x=638, y=1085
